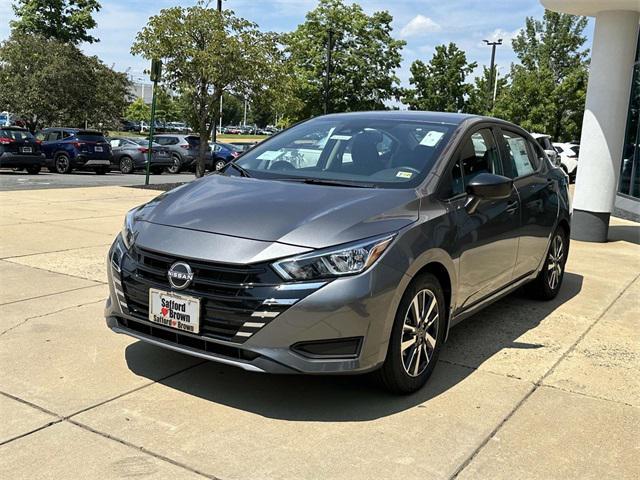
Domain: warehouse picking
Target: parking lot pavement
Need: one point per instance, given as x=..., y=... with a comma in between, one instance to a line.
x=524, y=389
x=10, y=180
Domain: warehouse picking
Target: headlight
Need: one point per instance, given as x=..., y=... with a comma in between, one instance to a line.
x=338, y=261
x=127, y=234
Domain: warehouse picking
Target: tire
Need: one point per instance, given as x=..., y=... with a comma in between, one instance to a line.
x=406, y=369
x=176, y=167
x=219, y=165
x=126, y=165
x=102, y=170
x=34, y=170
x=548, y=282
x=62, y=164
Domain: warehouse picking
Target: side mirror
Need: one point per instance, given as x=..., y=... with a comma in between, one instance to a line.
x=488, y=186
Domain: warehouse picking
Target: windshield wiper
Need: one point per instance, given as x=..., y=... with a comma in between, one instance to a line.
x=322, y=181
x=243, y=172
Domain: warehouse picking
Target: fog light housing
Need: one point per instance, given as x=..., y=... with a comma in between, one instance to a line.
x=331, y=348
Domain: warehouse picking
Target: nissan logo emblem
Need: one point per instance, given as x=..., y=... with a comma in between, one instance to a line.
x=180, y=275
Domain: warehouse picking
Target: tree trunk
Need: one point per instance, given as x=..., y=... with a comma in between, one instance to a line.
x=203, y=150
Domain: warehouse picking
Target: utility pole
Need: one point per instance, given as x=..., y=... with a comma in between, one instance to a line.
x=327, y=86
x=493, y=46
x=214, y=128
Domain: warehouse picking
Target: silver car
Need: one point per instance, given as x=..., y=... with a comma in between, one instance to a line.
x=348, y=243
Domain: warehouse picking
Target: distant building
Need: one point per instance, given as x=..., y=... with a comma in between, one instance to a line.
x=143, y=91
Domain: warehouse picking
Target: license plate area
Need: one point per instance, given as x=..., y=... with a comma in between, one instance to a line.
x=26, y=150
x=174, y=310
x=98, y=149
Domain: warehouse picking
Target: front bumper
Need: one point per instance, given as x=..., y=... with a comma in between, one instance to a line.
x=358, y=309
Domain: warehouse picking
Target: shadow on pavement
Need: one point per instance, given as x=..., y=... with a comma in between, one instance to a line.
x=625, y=233
x=359, y=398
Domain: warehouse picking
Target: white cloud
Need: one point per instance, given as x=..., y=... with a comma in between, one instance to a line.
x=418, y=26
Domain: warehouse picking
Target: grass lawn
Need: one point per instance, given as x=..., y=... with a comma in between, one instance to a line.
x=220, y=138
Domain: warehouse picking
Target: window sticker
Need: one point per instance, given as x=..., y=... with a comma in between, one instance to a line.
x=402, y=174
x=520, y=156
x=270, y=155
x=341, y=137
x=431, y=138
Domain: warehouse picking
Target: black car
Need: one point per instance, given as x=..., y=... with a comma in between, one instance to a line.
x=349, y=243
x=19, y=149
x=130, y=154
x=67, y=149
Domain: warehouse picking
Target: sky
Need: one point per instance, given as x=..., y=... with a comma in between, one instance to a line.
x=423, y=24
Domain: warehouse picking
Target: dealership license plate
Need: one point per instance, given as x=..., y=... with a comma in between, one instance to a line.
x=162, y=154
x=27, y=150
x=99, y=149
x=174, y=310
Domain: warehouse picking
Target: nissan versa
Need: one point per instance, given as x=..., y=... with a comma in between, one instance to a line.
x=348, y=243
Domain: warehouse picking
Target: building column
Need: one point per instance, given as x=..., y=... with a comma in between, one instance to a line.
x=603, y=128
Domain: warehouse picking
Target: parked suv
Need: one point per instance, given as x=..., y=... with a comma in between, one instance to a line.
x=184, y=151
x=130, y=154
x=568, y=153
x=348, y=243
x=67, y=149
x=19, y=149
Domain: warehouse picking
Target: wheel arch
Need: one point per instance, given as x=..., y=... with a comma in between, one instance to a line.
x=438, y=270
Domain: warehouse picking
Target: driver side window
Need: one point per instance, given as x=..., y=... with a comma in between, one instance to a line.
x=477, y=154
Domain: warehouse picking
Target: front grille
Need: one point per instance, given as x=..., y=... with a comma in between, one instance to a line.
x=236, y=300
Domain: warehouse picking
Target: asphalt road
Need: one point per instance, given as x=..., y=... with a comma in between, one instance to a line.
x=10, y=180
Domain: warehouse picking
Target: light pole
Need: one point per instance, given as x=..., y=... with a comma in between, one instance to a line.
x=493, y=46
x=214, y=128
x=327, y=86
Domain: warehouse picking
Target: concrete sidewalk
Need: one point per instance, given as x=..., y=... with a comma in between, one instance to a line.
x=524, y=389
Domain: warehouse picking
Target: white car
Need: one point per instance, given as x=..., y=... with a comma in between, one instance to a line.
x=568, y=158
x=544, y=141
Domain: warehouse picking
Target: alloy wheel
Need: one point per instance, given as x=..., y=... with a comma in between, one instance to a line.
x=175, y=168
x=419, y=333
x=62, y=164
x=219, y=165
x=555, y=262
x=126, y=165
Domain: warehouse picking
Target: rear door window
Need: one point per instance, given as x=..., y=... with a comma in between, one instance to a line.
x=19, y=135
x=519, y=161
x=54, y=136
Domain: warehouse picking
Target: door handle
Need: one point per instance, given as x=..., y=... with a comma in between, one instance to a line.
x=512, y=207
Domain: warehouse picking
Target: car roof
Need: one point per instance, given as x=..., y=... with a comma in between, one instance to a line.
x=408, y=115
x=12, y=127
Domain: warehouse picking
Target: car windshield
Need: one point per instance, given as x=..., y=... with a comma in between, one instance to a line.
x=142, y=142
x=364, y=151
x=90, y=136
x=15, y=134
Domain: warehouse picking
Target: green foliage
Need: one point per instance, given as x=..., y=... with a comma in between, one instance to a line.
x=58, y=85
x=480, y=96
x=138, y=111
x=207, y=53
x=64, y=20
x=365, y=57
x=548, y=88
x=440, y=84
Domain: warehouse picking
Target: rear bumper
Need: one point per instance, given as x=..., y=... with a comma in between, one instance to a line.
x=11, y=160
x=86, y=161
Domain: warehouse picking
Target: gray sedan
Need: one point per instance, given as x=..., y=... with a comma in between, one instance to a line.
x=131, y=154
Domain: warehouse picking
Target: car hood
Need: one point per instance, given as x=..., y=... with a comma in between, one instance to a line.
x=313, y=216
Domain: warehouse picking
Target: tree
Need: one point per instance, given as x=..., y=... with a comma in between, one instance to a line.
x=207, y=53
x=58, y=85
x=64, y=20
x=138, y=111
x=548, y=88
x=364, y=59
x=440, y=84
x=481, y=95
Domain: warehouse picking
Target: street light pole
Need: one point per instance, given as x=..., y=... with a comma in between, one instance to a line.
x=327, y=86
x=493, y=46
x=219, y=5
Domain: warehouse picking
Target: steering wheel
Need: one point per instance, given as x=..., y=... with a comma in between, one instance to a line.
x=282, y=165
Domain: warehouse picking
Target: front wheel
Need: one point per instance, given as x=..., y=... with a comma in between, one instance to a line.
x=417, y=336
x=126, y=165
x=548, y=282
x=219, y=165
